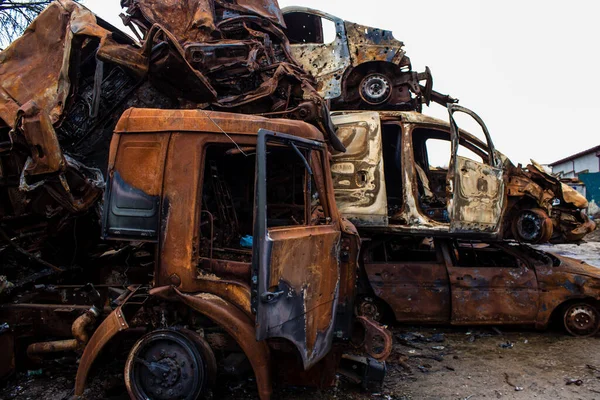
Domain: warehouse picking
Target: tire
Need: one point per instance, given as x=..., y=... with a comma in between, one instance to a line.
x=532, y=226
x=581, y=319
x=168, y=363
x=375, y=88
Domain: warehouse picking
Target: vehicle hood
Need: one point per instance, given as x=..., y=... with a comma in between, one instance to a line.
x=561, y=191
x=577, y=267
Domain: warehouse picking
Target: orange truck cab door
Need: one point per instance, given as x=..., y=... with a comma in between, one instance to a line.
x=295, y=266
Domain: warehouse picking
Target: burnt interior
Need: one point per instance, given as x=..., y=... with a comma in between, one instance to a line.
x=392, y=167
x=228, y=197
x=481, y=255
x=304, y=28
x=432, y=179
x=400, y=249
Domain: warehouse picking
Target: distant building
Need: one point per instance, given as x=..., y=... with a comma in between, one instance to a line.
x=587, y=161
x=581, y=171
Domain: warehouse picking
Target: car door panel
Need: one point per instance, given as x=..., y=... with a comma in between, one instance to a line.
x=358, y=174
x=327, y=62
x=478, y=191
x=414, y=291
x=493, y=294
x=477, y=194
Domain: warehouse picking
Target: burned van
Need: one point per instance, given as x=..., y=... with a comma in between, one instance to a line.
x=390, y=180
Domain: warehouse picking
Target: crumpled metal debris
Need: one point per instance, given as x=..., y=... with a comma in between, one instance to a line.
x=70, y=76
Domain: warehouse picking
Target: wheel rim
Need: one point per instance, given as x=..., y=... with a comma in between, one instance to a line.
x=375, y=89
x=165, y=365
x=530, y=226
x=581, y=320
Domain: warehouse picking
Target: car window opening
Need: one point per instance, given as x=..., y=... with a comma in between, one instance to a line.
x=401, y=249
x=392, y=166
x=482, y=255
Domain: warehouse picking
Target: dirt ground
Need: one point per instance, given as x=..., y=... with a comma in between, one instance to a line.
x=427, y=363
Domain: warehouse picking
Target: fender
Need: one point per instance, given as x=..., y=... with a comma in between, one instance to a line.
x=236, y=324
x=109, y=328
x=234, y=321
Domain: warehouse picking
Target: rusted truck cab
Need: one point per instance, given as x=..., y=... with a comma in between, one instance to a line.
x=248, y=237
x=408, y=173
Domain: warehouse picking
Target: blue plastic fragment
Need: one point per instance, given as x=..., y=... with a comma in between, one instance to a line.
x=246, y=241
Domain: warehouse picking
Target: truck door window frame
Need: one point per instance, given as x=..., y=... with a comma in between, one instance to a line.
x=299, y=302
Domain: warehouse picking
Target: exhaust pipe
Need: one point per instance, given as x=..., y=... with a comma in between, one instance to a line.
x=79, y=329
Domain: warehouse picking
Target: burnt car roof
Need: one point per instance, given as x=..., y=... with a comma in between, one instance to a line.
x=415, y=117
x=137, y=120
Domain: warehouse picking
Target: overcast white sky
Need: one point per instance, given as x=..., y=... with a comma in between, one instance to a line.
x=528, y=68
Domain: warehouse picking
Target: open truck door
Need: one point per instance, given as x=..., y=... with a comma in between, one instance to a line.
x=295, y=265
x=477, y=194
x=358, y=174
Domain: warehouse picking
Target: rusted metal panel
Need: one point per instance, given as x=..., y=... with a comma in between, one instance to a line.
x=140, y=120
x=35, y=67
x=108, y=329
x=373, y=44
x=358, y=175
x=296, y=264
x=484, y=295
x=477, y=197
x=325, y=61
x=296, y=268
x=416, y=292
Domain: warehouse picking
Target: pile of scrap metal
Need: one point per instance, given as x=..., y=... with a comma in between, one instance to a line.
x=69, y=78
x=66, y=84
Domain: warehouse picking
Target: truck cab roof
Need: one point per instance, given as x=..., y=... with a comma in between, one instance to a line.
x=138, y=120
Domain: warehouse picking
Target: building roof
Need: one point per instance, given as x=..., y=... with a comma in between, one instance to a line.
x=595, y=149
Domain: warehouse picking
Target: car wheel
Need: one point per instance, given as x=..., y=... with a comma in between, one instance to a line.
x=375, y=88
x=532, y=226
x=581, y=319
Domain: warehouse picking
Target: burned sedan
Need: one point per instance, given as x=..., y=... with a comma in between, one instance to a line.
x=357, y=66
x=406, y=172
x=446, y=281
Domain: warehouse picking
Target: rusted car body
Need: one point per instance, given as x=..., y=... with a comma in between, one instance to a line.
x=361, y=68
x=196, y=186
x=385, y=181
x=445, y=281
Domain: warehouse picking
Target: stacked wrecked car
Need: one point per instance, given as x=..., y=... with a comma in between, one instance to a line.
x=188, y=199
